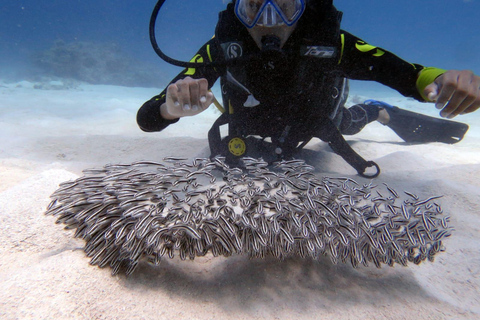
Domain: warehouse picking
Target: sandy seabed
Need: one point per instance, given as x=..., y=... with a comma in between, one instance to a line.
x=50, y=133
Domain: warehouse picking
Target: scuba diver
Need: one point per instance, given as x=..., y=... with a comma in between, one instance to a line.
x=284, y=67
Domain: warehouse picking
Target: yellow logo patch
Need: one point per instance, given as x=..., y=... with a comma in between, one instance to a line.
x=365, y=47
x=237, y=147
x=197, y=59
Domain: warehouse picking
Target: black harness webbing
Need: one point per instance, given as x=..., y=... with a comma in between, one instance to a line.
x=214, y=136
x=329, y=133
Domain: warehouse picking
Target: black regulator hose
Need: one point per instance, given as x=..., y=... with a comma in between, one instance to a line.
x=153, y=40
x=184, y=64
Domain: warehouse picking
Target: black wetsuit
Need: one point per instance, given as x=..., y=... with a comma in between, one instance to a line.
x=293, y=88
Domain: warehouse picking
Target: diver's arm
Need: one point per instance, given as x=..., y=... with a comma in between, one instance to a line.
x=455, y=92
x=362, y=61
x=153, y=117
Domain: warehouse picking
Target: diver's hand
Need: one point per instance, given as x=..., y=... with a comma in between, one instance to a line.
x=455, y=92
x=186, y=97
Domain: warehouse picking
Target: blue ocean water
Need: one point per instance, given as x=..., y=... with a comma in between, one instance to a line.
x=51, y=135
x=441, y=33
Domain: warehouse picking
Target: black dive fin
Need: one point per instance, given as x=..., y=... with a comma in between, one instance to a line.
x=414, y=127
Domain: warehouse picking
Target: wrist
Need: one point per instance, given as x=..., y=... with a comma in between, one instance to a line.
x=425, y=78
x=165, y=114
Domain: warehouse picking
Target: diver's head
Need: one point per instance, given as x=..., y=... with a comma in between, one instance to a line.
x=269, y=19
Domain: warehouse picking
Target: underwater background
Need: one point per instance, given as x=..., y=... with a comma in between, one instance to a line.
x=73, y=74
x=107, y=41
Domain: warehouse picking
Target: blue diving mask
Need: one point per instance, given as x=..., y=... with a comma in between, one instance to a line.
x=269, y=13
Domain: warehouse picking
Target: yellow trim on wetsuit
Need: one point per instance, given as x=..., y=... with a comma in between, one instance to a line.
x=365, y=47
x=191, y=71
x=161, y=97
x=209, y=54
x=342, y=38
x=230, y=107
x=427, y=76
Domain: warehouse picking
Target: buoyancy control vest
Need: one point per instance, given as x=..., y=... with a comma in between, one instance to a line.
x=289, y=95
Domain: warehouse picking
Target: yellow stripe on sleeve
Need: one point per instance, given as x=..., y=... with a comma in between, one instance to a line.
x=209, y=54
x=365, y=47
x=342, y=38
x=427, y=76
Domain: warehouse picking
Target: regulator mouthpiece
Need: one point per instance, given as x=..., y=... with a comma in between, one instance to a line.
x=271, y=43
